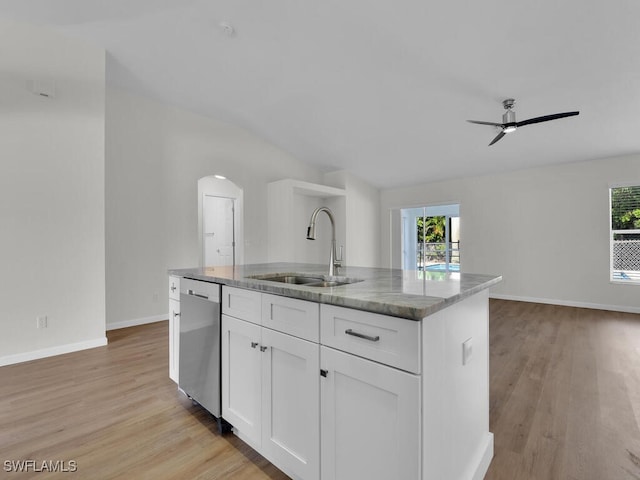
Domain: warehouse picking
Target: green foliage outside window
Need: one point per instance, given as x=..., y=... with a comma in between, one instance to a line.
x=431, y=229
x=625, y=208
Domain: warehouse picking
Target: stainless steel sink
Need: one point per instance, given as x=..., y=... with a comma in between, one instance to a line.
x=323, y=281
x=326, y=283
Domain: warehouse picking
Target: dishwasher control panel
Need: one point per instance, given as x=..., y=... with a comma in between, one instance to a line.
x=197, y=288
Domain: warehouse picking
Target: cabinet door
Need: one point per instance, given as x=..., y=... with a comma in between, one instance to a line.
x=370, y=419
x=291, y=404
x=174, y=338
x=241, y=378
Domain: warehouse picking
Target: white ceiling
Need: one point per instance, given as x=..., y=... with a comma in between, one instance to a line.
x=381, y=88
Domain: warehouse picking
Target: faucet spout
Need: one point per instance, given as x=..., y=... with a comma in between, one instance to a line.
x=334, y=261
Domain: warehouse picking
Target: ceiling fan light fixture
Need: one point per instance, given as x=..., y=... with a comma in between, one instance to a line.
x=509, y=129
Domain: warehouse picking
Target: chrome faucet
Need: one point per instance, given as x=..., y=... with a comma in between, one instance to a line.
x=335, y=262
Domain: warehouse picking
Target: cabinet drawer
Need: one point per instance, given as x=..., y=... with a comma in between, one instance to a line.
x=174, y=287
x=389, y=340
x=242, y=304
x=289, y=315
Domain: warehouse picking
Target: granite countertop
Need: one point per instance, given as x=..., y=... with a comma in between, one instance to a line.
x=409, y=294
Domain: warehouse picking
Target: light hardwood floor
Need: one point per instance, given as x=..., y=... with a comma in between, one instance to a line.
x=565, y=393
x=565, y=404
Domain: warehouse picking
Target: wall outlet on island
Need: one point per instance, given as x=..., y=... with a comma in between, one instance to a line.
x=467, y=351
x=41, y=322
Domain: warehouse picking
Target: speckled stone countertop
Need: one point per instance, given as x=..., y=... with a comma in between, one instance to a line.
x=407, y=294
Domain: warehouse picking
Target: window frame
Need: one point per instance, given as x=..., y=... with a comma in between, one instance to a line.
x=611, y=233
x=409, y=235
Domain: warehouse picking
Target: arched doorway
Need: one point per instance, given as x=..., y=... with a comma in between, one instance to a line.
x=220, y=222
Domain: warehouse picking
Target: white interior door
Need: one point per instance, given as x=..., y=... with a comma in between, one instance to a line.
x=218, y=230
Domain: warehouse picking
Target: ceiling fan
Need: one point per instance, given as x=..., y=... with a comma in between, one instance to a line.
x=509, y=123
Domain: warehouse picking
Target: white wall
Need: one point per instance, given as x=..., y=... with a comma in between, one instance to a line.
x=155, y=155
x=51, y=195
x=356, y=210
x=362, y=220
x=545, y=230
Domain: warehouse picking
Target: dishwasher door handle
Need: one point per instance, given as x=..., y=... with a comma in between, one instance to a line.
x=194, y=294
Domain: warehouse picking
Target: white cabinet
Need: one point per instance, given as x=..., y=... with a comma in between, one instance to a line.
x=289, y=315
x=360, y=419
x=389, y=340
x=291, y=404
x=331, y=393
x=370, y=419
x=271, y=380
x=242, y=377
x=174, y=326
x=370, y=413
x=242, y=304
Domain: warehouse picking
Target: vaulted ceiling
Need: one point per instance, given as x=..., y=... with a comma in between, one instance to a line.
x=380, y=88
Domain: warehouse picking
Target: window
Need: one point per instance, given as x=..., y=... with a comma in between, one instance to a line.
x=625, y=234
x=431, y=238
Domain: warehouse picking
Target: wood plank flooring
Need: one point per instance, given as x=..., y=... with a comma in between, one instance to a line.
x=565, y=404
x=114, y=411
x=564, y=393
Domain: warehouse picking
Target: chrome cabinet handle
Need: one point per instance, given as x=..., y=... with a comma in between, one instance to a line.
x=263, y=349
x=362, y=335
x=176, y=314
x=254, y=344
x=173, y=288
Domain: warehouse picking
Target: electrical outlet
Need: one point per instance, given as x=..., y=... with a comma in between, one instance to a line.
x=41, y=322
x=467, y=351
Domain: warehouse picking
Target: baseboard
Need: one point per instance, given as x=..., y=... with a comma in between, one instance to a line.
x=568, y=303
x=52, y=351
x=137, y=321
x=485, y=459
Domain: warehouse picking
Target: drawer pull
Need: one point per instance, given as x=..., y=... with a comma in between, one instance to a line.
x=348, y=331
x=254, y=344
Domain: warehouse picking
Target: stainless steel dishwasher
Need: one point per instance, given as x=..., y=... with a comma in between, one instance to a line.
x=199, y=365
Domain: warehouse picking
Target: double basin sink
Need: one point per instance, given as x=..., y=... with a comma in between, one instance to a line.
x=308, y=280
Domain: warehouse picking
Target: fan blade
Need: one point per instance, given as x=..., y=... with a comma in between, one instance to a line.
x=546, y=118
x=485, y=123
x=498, y=137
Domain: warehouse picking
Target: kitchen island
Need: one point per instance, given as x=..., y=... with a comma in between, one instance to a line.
x=384, y=375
